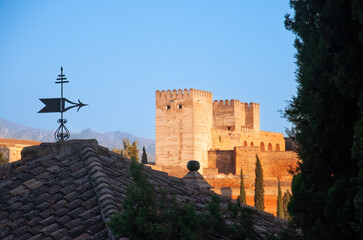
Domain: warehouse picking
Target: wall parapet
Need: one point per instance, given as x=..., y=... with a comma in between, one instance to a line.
x=234, y=102
x=182, y=94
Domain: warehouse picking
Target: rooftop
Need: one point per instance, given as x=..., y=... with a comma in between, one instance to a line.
x=68, y=190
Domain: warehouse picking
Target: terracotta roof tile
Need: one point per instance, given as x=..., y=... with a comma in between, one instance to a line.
x=68, y=190
x=38, y=236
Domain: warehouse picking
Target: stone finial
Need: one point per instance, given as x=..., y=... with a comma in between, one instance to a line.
x=193, y=165
x=194, y=177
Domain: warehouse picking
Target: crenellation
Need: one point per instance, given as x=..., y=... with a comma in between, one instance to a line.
x=163, y=94
x=168, y=94
x=201, y=93
x=186, y=93
x=220, y=124
x=172, y=94
x=222, y=135
x=227, y=103
x=180, y=94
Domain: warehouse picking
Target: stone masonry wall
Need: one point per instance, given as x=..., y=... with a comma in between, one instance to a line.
x=274, y=164
x=202, y=123
x=174, y=139
x=265, y=141
x=223, y=136
x=183, y=127
x=224, y=161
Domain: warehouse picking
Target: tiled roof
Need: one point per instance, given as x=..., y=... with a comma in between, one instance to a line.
x=68, y=190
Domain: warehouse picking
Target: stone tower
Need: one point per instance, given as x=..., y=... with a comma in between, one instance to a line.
x=184, y=120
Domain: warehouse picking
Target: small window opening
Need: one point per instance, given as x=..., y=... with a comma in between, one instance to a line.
x=167, y=106
x=180, y=106
x=229, y=128
x=220, y=139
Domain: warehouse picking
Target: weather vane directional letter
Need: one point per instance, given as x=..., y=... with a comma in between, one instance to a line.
x=59, y=105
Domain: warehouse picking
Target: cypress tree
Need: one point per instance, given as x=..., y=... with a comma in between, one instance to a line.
x=259, y=190
x=357, y=152
x=144, y=156
x=285, y=202
x=242, y=192
x=327, y=117
x=280, y=210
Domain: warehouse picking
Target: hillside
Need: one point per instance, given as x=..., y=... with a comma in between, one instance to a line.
x=111, y=140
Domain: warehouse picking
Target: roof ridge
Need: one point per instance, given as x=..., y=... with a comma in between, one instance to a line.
x=100, y=183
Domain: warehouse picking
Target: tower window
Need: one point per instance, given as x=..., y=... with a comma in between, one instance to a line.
x=167, y=106
x=229, y=128
x=180, y=106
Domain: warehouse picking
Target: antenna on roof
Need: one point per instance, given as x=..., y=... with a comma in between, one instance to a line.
x=58, y=105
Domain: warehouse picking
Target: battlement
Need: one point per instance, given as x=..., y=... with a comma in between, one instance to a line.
x=182, y=94
x=235, y=103
x=222, y=103
x=252, y=106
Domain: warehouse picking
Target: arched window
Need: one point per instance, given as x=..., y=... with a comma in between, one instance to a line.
x=220, y=139
x=269, y=147
x=277, y=147
x=251, y=144
x=262, y=147
x=245, y=144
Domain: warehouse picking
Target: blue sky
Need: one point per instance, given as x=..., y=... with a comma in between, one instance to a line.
x=116, y=54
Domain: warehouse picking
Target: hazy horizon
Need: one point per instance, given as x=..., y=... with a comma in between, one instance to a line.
x=116, y=54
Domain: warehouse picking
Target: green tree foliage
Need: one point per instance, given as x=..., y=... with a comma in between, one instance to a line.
x=144, y=156
x=358, y=154
x=259, y=190
x=242, y=192
x=146, y=216
x=139, y=216
x=327, y=118
x=280, y=210
x=285, y=202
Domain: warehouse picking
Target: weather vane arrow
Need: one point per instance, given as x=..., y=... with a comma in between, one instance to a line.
x=59, y=105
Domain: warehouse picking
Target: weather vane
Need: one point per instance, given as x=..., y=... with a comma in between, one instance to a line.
x=59, y=105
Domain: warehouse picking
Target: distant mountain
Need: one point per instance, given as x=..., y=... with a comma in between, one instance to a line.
x=110, y=139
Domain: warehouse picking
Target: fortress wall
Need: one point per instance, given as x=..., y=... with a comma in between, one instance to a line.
x=227, y=140
x=202, y=125
x=174, y=140
x=277, y=141
x=223, y=115
x=224, y=161
x=229, y=185
x=221, y=139
x=175, y=171
x=240, y=115
x=229, y=114
x=274, y=164
x=172, y=95
x=253, y=116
